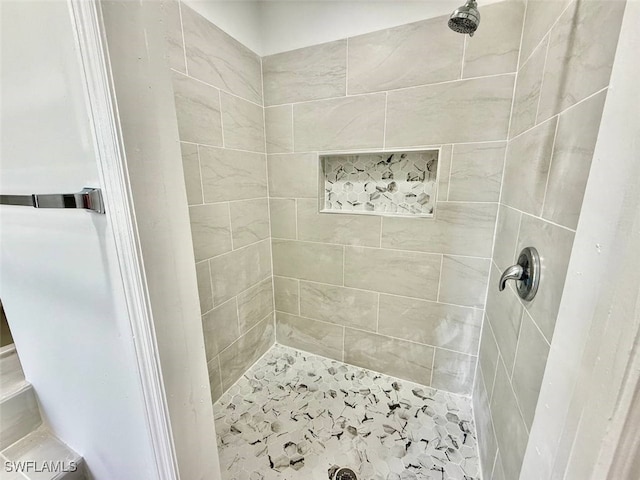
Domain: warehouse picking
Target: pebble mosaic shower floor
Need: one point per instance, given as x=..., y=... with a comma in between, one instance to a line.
x=296, y=416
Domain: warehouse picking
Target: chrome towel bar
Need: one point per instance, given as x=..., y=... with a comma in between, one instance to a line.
x=87, y=199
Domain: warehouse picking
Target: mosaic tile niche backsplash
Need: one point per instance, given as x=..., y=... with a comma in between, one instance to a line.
x=390, y=183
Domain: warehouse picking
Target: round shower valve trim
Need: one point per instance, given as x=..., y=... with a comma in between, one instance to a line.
x=526, y=273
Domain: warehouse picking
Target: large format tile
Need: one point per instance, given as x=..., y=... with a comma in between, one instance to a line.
x=572, y=154
x=203, y=275
x=444, y=171
x=282, y=212
x=343, y=306
x=458, y=229
x=511, y=431
x=309, y=73
x=476, y=172
x=249, y=221
x=220, y=328
x=286, y=294
x=232, y=175
x=341, y=123
x=410, y=361
x=191, y=169
x=210, y=230
x=19, y=415
x=487, y=444
x=504, y=312
x=411, y=274
x=581, y=50
x=414, y=54
x=242, y=123
x=255, y=304
x=215, y=382
x=463, y=281
x=308, y=261
x=197, y=111
x=527, y=94
x=531, y=361
x=236, y=271
x=175, y=43
x=541, y=15
x=488, y=357
x=216, y=58
x=527, y=168
x=293, y=175
x=448, y=326
x=312, y=336
x=495, y=46
x=554, y=246
x=241, y=354
x=504, y=250
x=278, y=123
x=453, y=371
x=498, y=469
x=362, y=230
x=472, y=110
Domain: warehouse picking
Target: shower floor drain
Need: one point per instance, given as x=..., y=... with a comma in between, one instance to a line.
x=346, y=474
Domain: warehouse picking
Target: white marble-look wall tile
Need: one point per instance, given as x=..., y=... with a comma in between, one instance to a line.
x=341, y=123
x=278, y=122
x=414, y=54
x=309, y=335
x=495, y=46
x=487, y=443
x=255, y=304
x=511, y=430
x=504, y=312
x=412, y=274
x=488, y=356
x=444, y=171
x=458, y=229
x=286, y=294
x=476, y=172
x=242, y=123
x=19, y=415
x=210, y=230
x=232, y=175
x=241, y=354
x=343, y=306
x=215, y=382
x=554, y=247
x=527, y=168
x=175, y=43
x=572, y=154
x=240, y=269
x=198, y=111
x=541, y=15
x=436, y=324
x=293, y=175
x=580, y=57
x=203, y=275
x=191, y=169
x=473, y=110
x=527, y=94
x=402, y=359
x=453, y=371
x=249, y=221
x=463, y=280
x=308, y=261
x=362, y=230
x=220, y=328
x=528, y=371
x=504, y=250
x=283, y=217
x=216, y=58
x=309, y=73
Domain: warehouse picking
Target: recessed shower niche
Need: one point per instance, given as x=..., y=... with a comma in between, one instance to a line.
x=379, y=183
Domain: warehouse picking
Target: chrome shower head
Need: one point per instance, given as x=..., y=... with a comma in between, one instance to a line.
x=465, y=19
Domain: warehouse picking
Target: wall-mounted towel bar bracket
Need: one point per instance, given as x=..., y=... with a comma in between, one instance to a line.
x=88, y=199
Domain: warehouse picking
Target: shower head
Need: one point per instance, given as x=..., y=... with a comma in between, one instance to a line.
x=465, y=19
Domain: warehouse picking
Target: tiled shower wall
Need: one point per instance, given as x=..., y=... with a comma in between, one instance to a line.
x=218, y=94
x=565, y=63
x=403, y=296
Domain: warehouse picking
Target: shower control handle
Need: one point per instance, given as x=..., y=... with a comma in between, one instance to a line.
x=514, y=272
x=526, y=274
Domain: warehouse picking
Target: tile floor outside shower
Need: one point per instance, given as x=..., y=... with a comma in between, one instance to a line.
x=296, y=416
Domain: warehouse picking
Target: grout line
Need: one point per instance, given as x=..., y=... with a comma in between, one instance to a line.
x=299, y=298
x=344, y=336
x=200, y=172
x=220, y=147
x=240, y=333
x=213, y=303
x=295, y=215
x=515, y=248
x=464, y=52
x=378, y=316
x=495, y=375
x=450, y=170
x=220, y=373
x=384, y=129
x=221, y=117
x=515, y=355
x=231, y=226
x=440, y=277
x=544, y=69
x=344, y=255
x=553, y=149
x=346, y=69
x=184, y=43
x=237, y=294
x=433, y=364
x=495, y=459
x=293, y=137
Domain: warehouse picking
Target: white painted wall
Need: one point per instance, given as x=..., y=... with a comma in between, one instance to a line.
x=273, y=26
x=59, y=277
x=595, y=328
